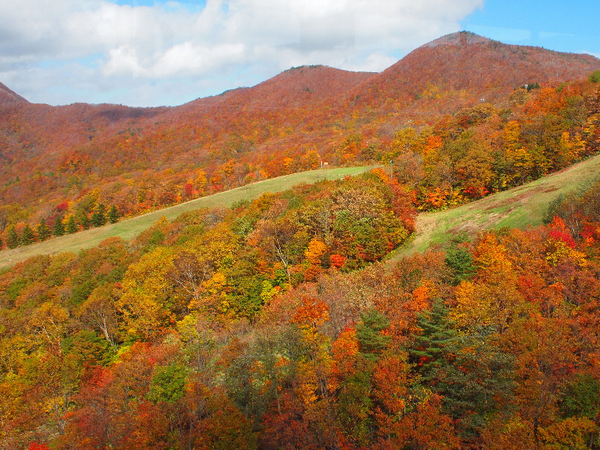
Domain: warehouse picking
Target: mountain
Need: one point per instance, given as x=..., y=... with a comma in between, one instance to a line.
x=143, y=157
x=296, y=87
x=467, y=61
x=480, y=67
x=284, y=321
x=8, y=97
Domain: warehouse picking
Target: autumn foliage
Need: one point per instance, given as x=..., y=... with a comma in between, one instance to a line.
x=200, y=334
x=278, y=323
x=454, y=121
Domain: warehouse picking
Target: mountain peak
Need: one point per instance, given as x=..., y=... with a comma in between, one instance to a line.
x=459, y=38
x=9, y=97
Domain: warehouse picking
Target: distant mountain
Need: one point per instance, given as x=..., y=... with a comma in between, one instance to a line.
x=299, y=86
x=269, y=129
x=477, y=65
x=8, y=97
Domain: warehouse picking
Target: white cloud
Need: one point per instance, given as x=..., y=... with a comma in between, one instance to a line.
x=147, y=48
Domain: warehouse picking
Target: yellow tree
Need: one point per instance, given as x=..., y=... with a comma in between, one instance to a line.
x=492, y=299
x=143, y=304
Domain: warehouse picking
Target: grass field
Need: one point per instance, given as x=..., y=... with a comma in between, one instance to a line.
x=516, y=208
x=127, y=229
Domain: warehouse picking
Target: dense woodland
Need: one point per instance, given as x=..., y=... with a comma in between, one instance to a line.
x=271, y=325
x=458, y=118
x=282, y=323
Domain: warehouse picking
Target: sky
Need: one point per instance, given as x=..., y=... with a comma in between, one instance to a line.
x=154, y=52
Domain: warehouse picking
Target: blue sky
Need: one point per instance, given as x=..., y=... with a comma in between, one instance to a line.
x=151, y=52
x=555, y=25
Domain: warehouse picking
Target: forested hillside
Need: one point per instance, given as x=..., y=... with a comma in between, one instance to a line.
x=281, y=322
x=457, y=118
x=271, y=325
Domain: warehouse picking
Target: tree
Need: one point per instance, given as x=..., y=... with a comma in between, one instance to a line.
x=426, y=428
x=168, y=384
x=460, y=262
x=27, y=237
x=143, y=305
x=12, y=238
x=99, y=312
x=113, y=214
x=436, y=335
x=99, y=216
x=595, y=77
x=370, y=333
x=59, y=227
x=581, y=397
x=43, y=231
x=201, y=181
x=71, y=224
x=84, y=220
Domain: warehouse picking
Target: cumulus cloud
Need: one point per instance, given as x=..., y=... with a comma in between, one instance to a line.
x=170, y=46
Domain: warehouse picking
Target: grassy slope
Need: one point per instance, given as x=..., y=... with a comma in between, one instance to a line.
x=516, y=208
x=127, y=229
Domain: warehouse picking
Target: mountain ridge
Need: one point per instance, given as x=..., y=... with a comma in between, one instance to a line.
x=347, y=80
x=465, y=60
x=8, y=96
x=288, y=123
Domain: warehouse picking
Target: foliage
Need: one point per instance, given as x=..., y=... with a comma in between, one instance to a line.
x=43, y=231
x=12, y=238
x=27, y=236
x=276, y=324
x=59, y=227
x=167, y=384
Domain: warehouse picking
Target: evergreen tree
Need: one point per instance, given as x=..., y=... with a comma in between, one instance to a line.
x=71, y=224
x=84, y=220
x=43, y=231
x=113, y=214
x=460, y=261
x=430, y=346
x=12, y=238
x=581, y=397
x=1, y=243
x=458, y=367
x=59, y=227
x=99, y=216
x=369, y=333
x=27, y=237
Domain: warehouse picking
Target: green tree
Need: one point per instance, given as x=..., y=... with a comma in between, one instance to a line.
x=59, y=227
x=476, y=381
x=460, y=261
x=369, y=333
x=43, y=231
x=71, y=224
x=581, y=397
x=113, y=214
x=99, y=216
x=27, y=237
x=82, y=218
x=595, y=77
x=430, y=345
x=12, y=237
x=471, y=373
x=168, y=384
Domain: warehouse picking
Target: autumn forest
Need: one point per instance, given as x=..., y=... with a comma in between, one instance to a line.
x=286, y=321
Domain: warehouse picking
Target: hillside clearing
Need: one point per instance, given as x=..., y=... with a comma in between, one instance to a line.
x=127, y=229
x=516, y=208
